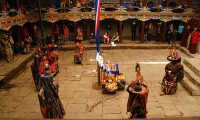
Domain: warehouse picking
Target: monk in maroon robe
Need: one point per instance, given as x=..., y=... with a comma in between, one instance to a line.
x=194, y=41
x=185, y=36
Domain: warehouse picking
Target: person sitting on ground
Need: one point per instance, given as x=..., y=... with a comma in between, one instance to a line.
x=115, y=37
x=27, y=42
x=17, y=48
x=106, y=38
x=92, y=38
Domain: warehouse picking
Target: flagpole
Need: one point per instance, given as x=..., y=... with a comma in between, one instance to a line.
x=97, y=34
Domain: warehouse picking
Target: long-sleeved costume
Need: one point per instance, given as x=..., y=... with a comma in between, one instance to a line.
x=50, y=104
x=35, y=71
x=174, y=74
x=138, y=95
x=53, y=58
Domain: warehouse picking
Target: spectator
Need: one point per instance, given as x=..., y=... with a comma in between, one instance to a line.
x=150, y=4
x=25, y=33
x=92, y=27
x=194, y=41
x=62, y=5
x=92, y=38
x=108, y=25
x=27, y=43
x=66, y=34
x=35, y=35
x=17, y=48
x=5, y=6
x=133, y=30
x=150, y=31
x=115, y=37
x=174, y=35
x=83, y=2
x=159, y=31
x=48, y=39
x=185, y=36
x=180, y=31
x=164, y=3
x=21, y=9
x=56, y=33
x=79, y=36
x=8, y=42
x=78, y=4
x=106, y=38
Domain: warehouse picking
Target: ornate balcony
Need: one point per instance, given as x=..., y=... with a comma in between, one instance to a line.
x=76, y=15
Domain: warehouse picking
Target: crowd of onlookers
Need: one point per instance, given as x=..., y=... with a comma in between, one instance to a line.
x=12, y=48
x=13, y=43
x=11, y=7
x=186, y=33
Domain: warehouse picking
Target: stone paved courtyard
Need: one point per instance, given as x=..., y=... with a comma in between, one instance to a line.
x=82, y=98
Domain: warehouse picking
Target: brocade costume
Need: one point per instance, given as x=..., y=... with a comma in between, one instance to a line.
x=53, y=58
x=50, y=104
x=35, y=71
x=138, y=95
x=174, y=74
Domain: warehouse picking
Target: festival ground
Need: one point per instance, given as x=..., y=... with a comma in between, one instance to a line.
x=81, y=96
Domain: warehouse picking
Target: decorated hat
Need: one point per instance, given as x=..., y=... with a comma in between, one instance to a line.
x=47, y=69
x=52, y=46
x=173, y=54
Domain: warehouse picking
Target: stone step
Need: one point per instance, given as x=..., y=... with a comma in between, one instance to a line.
x=191, y=76
x=193, y=89
x=193, y=64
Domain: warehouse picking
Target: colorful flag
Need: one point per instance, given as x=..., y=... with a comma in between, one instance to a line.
x=97, y=23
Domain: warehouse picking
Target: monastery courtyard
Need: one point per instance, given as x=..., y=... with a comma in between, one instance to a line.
x=79, y=91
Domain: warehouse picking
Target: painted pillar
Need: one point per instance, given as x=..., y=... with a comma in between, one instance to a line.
x=74, y=3
x=189, y=3
x=120, y=2
x=51, y=4
x=144, y=4
x=120, y=31
x=167, y=6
